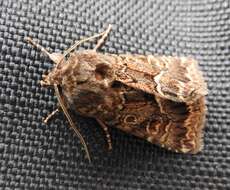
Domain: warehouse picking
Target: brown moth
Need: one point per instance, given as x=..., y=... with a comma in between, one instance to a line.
x=157, y=98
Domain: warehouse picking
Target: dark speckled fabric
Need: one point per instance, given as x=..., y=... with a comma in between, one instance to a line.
x=38, y=156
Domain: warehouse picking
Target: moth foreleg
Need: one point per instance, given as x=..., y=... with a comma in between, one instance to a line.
x=77, y=43
x=108, y=137
x=102, y=39
x=55, y=57
x=48, y=117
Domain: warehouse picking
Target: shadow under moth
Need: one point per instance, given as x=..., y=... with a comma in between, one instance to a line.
x=158, y=98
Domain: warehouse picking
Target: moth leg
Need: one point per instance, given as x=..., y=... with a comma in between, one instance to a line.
x=102, y=40
x=77, y=43
x=108, y=137
x=38, y=46
x=55, y=57
x=48, y=117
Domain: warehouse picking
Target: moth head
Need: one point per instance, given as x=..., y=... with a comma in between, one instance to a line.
x=82, y=76
x=75, y=65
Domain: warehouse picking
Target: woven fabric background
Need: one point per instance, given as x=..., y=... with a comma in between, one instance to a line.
x=38, y=156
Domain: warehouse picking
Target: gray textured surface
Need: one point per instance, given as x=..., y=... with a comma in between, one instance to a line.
x=33, y=155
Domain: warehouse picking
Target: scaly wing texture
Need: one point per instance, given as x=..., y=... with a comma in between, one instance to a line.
x=155, y=98
x=176, y=126
x=174, y=78
x=180, y=80
x=179, y=89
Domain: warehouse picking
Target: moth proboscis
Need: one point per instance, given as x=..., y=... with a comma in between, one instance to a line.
x=158, y=98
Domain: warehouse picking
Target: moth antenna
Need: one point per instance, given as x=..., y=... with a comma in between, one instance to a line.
x=55, y=57
x=57, y=92
x=77, y=43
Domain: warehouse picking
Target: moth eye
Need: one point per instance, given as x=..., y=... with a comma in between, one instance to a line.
x=101, y=71
x=130, y=119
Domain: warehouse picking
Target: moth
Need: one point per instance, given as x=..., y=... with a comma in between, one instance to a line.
x=158, y=98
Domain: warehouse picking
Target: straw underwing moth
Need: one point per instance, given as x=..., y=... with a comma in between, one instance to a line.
x=158, y=98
